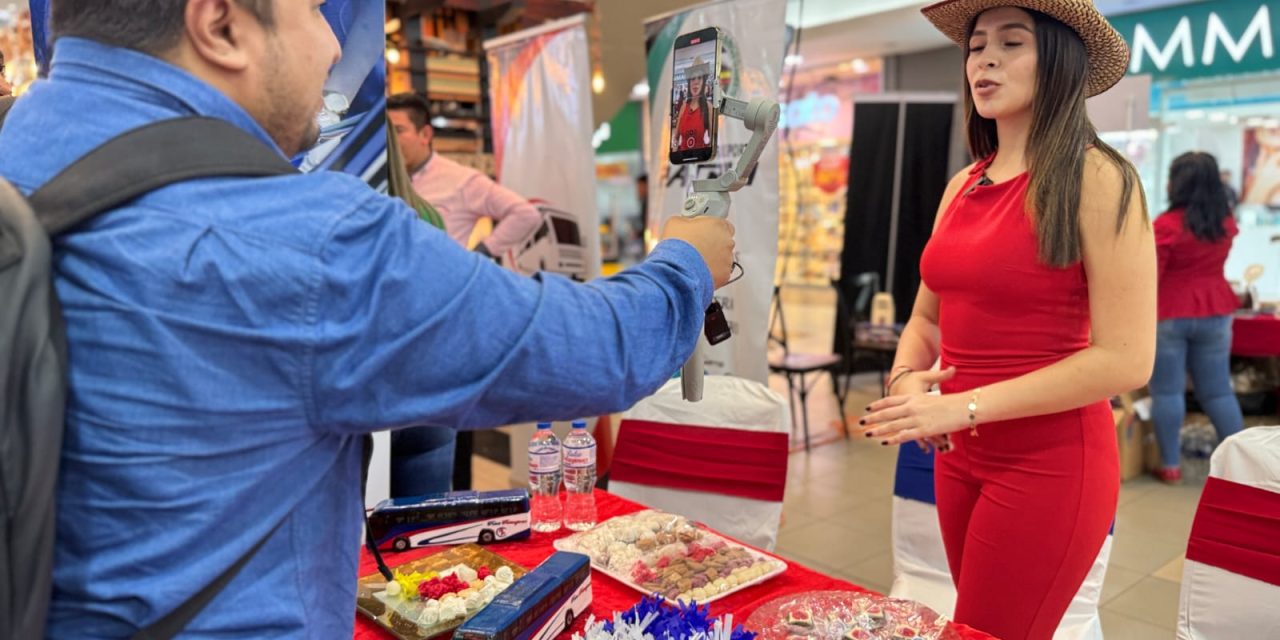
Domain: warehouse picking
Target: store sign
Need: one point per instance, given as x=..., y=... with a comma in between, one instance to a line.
x=813, y=109
x=1202, y=39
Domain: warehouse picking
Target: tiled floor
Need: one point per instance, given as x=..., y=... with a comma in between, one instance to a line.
x=836, y=515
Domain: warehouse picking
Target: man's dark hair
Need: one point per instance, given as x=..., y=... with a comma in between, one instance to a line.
x=417, y=106
x=149, y=26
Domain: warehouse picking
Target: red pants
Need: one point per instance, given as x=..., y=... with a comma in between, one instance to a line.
x=1025, y=507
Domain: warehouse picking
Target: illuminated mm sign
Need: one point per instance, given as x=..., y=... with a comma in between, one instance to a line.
x=1201, y=39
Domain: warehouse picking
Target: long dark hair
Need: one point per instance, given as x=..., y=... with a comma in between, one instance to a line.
x=1195, y=186
x=1056, y=145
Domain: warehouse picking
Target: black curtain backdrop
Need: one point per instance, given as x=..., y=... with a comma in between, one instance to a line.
x=924, y=178
x=926, y=141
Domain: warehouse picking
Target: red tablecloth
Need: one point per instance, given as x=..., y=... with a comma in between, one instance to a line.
x=1255, y=336
x=610, y=596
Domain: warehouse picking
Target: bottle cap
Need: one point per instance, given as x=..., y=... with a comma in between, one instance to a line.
x=579, y=424
x=544, y=425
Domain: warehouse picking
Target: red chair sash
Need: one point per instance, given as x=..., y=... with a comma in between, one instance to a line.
x=733, y=462
x=1237, y=528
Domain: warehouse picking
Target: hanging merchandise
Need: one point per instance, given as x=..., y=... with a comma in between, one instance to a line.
x=540, y=92
x=753, y=35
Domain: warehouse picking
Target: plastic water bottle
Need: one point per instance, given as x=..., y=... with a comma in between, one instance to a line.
x=579, y=478
x=544, y=479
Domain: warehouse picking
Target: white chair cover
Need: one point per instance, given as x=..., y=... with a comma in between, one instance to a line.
x=731, y=403
x=1216, y=603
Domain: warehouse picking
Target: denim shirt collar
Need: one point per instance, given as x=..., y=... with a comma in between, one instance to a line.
x=121, y=69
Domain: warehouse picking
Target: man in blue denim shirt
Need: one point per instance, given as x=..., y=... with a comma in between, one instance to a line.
x=231, y=340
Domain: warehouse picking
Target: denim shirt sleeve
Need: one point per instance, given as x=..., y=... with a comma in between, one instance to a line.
x=411, y=329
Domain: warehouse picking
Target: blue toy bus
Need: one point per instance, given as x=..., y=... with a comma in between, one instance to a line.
x=539, y=606
x=458, y=517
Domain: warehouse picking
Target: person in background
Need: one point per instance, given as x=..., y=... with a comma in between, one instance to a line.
x=461, y=194
x=423, y=459
x=1038, y=295
x=1193, y=239
x=634, y=247
x=1233, y=196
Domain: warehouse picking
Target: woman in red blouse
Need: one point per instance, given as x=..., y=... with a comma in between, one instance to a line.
x=692, y=123
x=1195, y=303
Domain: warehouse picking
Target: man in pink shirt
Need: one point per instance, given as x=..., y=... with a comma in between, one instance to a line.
x=461, y=194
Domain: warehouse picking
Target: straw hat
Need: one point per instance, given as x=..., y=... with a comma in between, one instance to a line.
x=1108, y=53
x=698, y=68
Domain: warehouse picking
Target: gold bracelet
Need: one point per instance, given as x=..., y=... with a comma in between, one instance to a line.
x=973, y=412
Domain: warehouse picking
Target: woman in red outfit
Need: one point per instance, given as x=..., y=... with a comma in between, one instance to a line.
x=692, y=123
x=1039, y=297
x=1193, y=239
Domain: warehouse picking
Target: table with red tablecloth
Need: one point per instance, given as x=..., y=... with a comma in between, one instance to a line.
x=610, y=596
x=1255, y=336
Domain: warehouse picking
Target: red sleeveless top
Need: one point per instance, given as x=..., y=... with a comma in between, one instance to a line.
x=1001, y=312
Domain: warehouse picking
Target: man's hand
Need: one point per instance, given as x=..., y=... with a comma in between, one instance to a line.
x=712, y=237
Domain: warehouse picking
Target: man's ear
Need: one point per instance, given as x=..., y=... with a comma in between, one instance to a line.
x=218, y=32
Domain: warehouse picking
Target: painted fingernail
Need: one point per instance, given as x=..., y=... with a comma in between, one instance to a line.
x=884, y=443
x=868, y=408
x=867, y=434
x=862, y=422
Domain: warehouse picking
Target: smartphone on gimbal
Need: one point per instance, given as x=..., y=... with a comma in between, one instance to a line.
x=695, y=117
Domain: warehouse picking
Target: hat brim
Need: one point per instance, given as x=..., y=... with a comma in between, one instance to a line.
x=1108, y=53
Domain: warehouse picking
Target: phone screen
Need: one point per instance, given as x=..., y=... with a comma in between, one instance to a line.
x=695, y=70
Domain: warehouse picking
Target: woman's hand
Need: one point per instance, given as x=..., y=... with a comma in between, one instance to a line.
x=919, y=382
x=910, y=414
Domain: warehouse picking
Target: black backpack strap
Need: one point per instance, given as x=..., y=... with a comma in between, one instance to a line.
x=144, y=159
x=175, y=621
x=131, y=165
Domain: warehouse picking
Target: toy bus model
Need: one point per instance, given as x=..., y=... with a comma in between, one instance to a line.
x=458, y=517
x=555, y=246
x=539, y=606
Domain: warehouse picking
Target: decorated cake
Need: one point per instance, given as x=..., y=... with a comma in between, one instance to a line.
x=432, y=595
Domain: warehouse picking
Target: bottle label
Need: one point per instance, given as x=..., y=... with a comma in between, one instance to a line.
x=544, y=462
x=579, y=457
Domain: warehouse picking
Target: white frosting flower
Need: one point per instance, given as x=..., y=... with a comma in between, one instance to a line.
x=429, y=615
x=453, y=608
x=505, y=575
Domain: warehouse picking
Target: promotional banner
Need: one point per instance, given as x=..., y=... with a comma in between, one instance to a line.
x=753, y=34
x=540, y=96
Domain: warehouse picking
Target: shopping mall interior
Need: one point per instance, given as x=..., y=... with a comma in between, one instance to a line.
x=831, y=226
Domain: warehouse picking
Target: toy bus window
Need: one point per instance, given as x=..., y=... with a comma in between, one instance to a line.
x=566, y=231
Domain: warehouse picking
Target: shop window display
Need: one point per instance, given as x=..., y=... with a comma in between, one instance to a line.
x=15, y=43
x=817, y=129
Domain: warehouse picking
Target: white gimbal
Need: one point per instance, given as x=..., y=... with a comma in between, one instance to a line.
x=711, y=198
